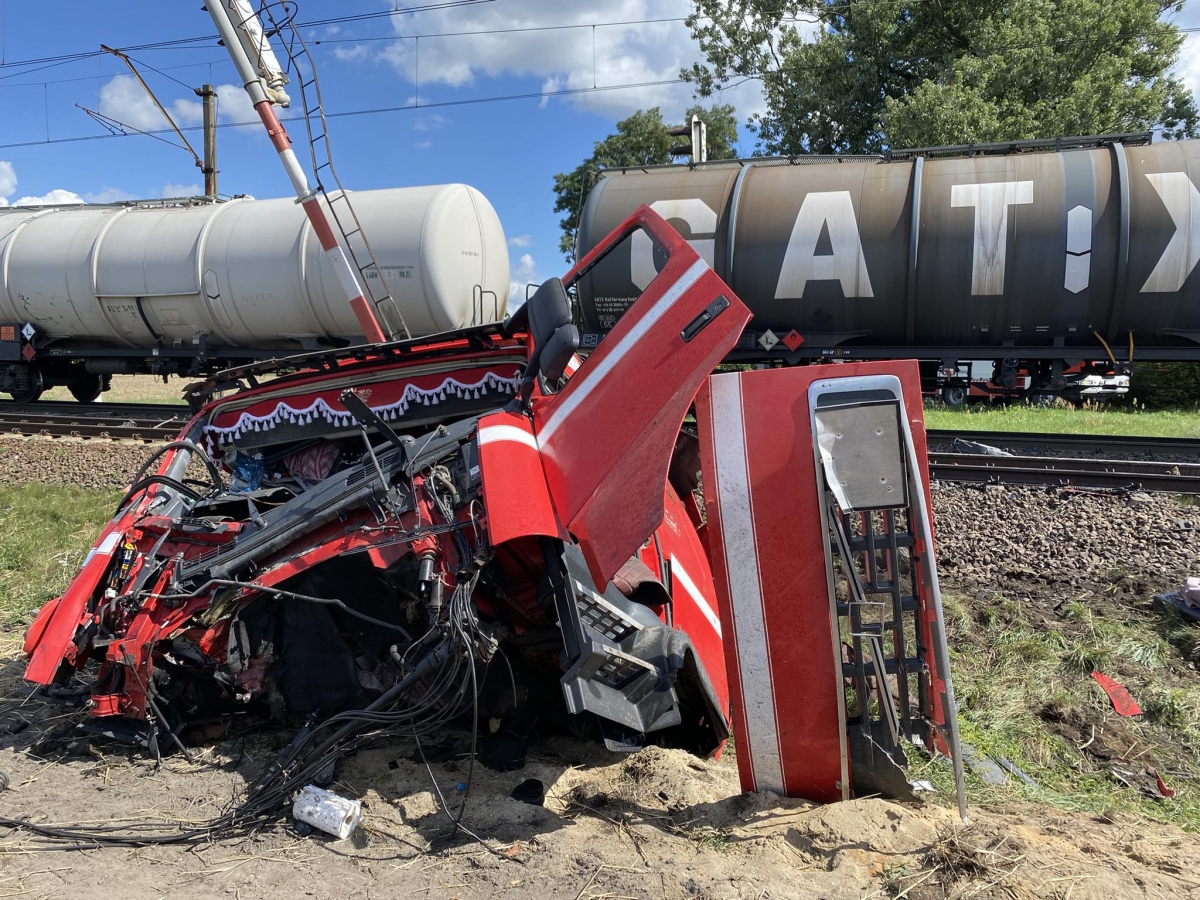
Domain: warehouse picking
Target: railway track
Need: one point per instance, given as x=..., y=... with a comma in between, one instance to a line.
x=147, y=423
x=1081, y=460
x=1081, y=446
x=1111, y=474
x=1148, y=464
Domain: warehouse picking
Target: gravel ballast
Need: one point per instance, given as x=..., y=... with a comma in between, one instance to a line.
x=63, y=462
x=997, y=536
x=987, y=536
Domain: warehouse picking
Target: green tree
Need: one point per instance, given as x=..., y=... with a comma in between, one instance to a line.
x=853, y=76
x=640, y=140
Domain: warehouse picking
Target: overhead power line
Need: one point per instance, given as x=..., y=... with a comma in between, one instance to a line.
x=100, y=76
x=520, y=30
x=208, y=38
x=473, y=100
x=532, y=95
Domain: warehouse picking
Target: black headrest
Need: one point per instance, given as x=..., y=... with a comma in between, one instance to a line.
x=549, y=309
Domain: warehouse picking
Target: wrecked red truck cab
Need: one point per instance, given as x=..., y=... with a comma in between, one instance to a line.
x=389, y=537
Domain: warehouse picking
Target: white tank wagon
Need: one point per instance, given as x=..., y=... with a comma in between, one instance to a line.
x=187, y=287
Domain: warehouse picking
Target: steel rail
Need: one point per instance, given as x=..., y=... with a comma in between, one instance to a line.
x=1082, y=445
x=147, y=423
x=1109, y=474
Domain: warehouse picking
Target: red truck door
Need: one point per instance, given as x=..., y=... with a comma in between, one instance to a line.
x=607, y=437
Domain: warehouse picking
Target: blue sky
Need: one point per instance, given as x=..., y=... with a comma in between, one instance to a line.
x=509, y=150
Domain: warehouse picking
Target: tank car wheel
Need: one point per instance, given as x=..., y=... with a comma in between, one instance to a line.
x=1042, y=398
x=954, y=395
x=86, y=389
x=30, y=388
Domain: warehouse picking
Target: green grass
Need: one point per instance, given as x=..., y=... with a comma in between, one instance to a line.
x=133, y=389
x=1009, y=663
x=44, y=534
x=1088, y=419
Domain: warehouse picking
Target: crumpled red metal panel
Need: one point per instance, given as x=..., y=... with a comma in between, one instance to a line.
x=514, y=486
x=52, y=645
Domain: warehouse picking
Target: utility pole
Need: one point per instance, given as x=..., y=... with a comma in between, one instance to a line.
x=209, y=97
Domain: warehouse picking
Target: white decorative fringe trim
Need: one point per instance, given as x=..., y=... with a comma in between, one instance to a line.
x=319, y=409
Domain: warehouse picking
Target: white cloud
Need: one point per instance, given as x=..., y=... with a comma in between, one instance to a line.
x=126, y=101
x=56, y=196
x=8, y=181
x=423, y=145
x=233, y=104
x=522, y=274
x=560, y=59
x=430, y=123
x=1188, y=67
x=51, y=198
x=520, y=240
x=182, y=190
x=353, y=53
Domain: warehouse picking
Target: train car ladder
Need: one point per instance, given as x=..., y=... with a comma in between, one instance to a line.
x=282, y=24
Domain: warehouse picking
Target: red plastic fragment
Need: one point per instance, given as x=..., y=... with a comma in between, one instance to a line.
x=1162, y=786
x=1122, y=700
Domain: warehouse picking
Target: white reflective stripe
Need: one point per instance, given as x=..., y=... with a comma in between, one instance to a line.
x=598, y=373
x=745, y=591
x=492, y=433
x=685, y=581
x=292, y=166
x=345, y=274
x=105, y=548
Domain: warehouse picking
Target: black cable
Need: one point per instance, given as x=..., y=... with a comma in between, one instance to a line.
x=196, y=449
x=150, y=481
x=179, y=42
x=426, y=699
x=291, y=595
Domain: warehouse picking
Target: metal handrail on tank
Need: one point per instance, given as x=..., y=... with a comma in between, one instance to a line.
x=1041, y=145
x=743, y=162
x=906, y=154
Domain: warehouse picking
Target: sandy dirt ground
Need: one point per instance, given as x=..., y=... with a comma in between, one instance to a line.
x=654, y=824
x=658, y=823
